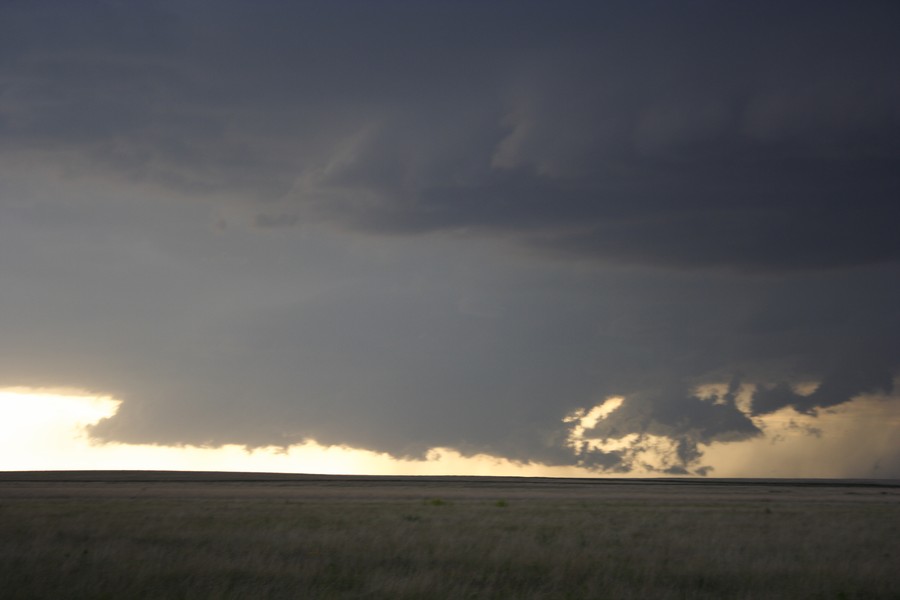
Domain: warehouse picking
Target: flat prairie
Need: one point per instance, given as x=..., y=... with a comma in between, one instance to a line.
x=105, y=534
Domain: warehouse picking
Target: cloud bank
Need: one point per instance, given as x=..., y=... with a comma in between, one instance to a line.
x=404, y=226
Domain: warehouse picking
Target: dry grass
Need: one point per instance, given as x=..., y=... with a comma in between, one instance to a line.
x=444, y=538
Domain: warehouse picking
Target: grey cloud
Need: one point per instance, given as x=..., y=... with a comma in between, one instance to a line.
x=679, y=416
x=278, y=220
x=743, y=157
x=749, y=131
x=239, y=336
x=836, y=388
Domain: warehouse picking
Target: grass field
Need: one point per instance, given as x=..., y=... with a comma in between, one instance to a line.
x=181, y=535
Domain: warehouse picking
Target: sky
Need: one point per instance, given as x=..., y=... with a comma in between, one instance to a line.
x=568, y=238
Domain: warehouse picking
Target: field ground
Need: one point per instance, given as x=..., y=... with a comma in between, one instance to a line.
x=222, y=535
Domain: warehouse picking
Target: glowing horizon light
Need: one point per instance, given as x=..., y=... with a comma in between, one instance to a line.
x=44, y=429
x=47, y=429
x=38, y=426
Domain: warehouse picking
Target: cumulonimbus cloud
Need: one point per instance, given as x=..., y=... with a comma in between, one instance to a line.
x=757, y=137
x=702, y=191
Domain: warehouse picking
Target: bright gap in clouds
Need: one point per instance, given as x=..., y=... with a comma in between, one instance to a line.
x=47, y=430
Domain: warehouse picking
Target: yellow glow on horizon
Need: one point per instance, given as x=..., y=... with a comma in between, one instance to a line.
x=42, y=429
x=38, y=427
x=46, y=430
x=858, y=439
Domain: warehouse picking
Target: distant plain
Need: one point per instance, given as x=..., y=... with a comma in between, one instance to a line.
x=230, y=535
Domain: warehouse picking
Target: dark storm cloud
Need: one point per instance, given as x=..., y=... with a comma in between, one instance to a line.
x=749, y=155
x=680, y=416
x=841, y=383
x=688, y=134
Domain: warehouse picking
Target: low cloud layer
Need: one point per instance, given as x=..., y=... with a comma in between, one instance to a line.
x=413, y=225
